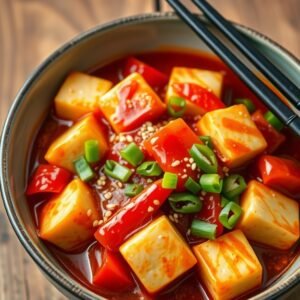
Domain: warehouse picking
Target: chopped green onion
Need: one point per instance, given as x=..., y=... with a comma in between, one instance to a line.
x=133, y=154
x=117, y=171
x=133, y=189
x=185, y=203
x=204, y=158
x=230, y=215
x=273, y=120
x=211, y=183
x=176, y=106
x=169, y=181
x=149, y=168
x=233, y=186
x=192, y=186
x=91, y=151
x=83, y=169
x=248, y=103
x=206, y=141
x=224, y=201
x=203, y=229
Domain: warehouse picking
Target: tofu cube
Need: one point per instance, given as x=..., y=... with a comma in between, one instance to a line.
x=234, y=134
x=67, y=219
x=157, y=254
x=131, y=103
x=228, y=265
x=70, y=145
x=269, y=217
x=79, y=95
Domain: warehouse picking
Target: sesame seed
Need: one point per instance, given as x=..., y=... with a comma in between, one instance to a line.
x=176, y=216
x=107, y=214
x=188, y=232
x=120, y=184
x=156, y=202
x=171, y=218
x=186, y=159
x=100, y=222
x=103, y=177
x=112, y=138
x=153, y=140
x=111, y=206
x=129, y=138
x=184, y=176
x=149, y=180
x=122, y=138
x=95, y=223
x=194, y=166
x=191, y=160
x=203, y=193
x=151, y=128
x=188, y=165
x=150, y=209
x=175, y=163
x=130, y=205
x=184, y=170
x=89, y=212
x=108, y=195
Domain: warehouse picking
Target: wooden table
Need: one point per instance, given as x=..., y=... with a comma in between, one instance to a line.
x=31, y=29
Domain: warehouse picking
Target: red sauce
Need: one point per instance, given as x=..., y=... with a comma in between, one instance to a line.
x=83, y=264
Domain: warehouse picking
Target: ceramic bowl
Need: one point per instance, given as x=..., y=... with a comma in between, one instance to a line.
x=97, y=47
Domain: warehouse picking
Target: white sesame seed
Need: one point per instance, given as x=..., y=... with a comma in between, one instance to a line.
x=149, y=180
x=153, y=140
x=171, y=218
x=129, y=138
x=108, y=195
x=100, y=222
x=107, y=214
x=184, y=170
x=188, y=232
x=176, y=216
x=184, y=176
x=194, y=166
x=103, y=177
x=89, y=212
x=130, y=205
x=156, y=202
x=150, y=209
x=175, y=163
x=95, y=223
x=188, y=165
x=186, y=159
x=111, y=206
x=112, y=138
x=120, y=184
x=122, y=138
x=191, y=160
x=203, y=193
x=151, y=128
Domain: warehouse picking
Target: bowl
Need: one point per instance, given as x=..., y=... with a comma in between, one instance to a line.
x=97, y=47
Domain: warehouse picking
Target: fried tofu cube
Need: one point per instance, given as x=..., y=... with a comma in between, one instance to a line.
x=131, y=103
x=67, y=219
x=269, y=217
x=157, y=254
x=228, y=265
x=234, y=134
x=70, y=145
x=79, y=95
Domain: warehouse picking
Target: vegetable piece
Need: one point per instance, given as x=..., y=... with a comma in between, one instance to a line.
x=273, y=138
x=48, y=179
x=67, y=219
x=156, y=79
x=176, y=107
x=133, y=189
x=113, y=274
x=230, y=215
x=205, y=158
x=70, y=145
x=83, y=169
x=203, y=229
x=133, y=154
x=133, y=215
x=273, y=120
x=241, y=271
x=269, y=217
x=170, y=181
x=158, y=246
x=185, y=203
x=91, y=151
x=234, y=134
x=247, y=102
x=79, y=95
x=224, y=201
x=233, y=185
x=149, y=168
x=117, y=171
x=211, y=183
x=131, y=103
x=281, y=174
x=206, y=140
x=192, y=186
x=169, y=147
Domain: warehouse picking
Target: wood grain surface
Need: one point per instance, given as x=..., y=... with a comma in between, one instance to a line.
x=31, y=29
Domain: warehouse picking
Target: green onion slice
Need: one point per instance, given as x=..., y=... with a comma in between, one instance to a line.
x=192, y=186
x=117, y=171
x=83, y=169
x=169, y=181
x=273, y=120
x=185, y=203
x=203, y=229
x=133, y=189
x=233, y=186
x=206, y=140
x=230, y=215
x=176, y=106
x=211, y=183
x=204, y=158
x=132, y=154
x=92, y=151
x=224, y=201
x=149, y=168
x=248, y=103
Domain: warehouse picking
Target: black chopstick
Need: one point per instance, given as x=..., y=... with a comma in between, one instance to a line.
x=282, y=83
x=283, y=112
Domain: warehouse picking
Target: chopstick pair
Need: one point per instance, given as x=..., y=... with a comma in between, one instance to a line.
x=279, y=80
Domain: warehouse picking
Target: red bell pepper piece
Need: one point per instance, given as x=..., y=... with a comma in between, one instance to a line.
x=48, y=179
x=281, y=174
x=113, y=274
x=156, y=79
x=132, y=216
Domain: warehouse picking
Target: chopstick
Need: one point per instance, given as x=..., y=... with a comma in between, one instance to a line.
x=283, y=112
x=282, y=83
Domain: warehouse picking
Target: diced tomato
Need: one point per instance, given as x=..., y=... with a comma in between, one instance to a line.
x=113, y=274
x=210, y=211
x=170, y=145
x=273, y=138
x=132, y=216
x=282, y=174
x=155, y=78
x=201, y=97
x=48, y=179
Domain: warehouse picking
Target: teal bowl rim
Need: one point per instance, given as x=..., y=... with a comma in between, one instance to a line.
x=56, y=276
